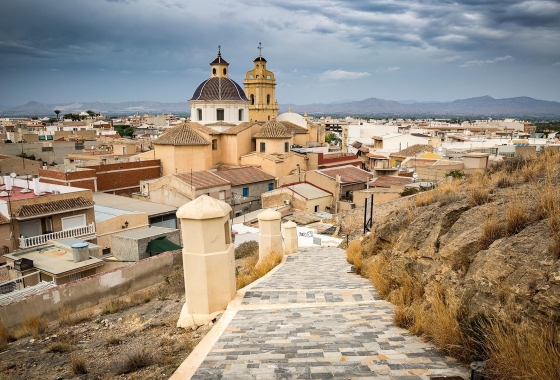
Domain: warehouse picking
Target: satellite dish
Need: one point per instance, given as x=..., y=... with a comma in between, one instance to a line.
x=13, y=175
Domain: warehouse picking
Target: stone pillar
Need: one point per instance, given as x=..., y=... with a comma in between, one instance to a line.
x=270, y=236
x=289, y=231
x=208, y=260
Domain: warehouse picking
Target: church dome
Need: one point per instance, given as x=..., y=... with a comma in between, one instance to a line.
x=219, y=88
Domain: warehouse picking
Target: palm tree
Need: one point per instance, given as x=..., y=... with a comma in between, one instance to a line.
x=57, y=112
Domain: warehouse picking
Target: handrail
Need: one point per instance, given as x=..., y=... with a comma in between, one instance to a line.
x=33, y=241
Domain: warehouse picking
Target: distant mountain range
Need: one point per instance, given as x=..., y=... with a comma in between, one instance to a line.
x=484, y=106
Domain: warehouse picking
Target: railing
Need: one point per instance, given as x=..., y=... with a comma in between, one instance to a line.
x=33, y=241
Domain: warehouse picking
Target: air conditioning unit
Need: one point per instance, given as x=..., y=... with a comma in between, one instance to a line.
x=287, y=202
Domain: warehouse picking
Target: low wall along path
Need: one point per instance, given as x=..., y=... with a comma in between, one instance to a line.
x=310, y=319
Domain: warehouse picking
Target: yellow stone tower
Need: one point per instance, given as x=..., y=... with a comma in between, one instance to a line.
x=260, y=88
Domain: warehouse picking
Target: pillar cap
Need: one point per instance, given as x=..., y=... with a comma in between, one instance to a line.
x=289, y=224
x=269, y=214
x=204, y=207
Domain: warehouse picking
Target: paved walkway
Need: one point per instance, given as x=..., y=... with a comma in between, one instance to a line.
x=310, y=319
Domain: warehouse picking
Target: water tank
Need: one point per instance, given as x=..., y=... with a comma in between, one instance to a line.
x=80, y=252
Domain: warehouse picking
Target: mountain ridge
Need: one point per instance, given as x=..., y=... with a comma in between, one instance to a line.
x=482, y=106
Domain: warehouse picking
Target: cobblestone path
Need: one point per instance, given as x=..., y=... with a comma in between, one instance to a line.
x=312, y=320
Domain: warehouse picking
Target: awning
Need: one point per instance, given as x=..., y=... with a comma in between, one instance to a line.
x=161, y=245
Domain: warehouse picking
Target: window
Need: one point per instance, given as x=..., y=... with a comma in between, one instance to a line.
x=222, y=195
x=245, y=191
x=270, y=186
x=286, y=147
x=268, y=99
x=241, y=115
x=214, y=144
x=214, y=71
x=73, y=222
x=269, y=118
x=225, y=71
x=252, y=99
x=262, y=147
x=199, y=114
x=316, y=208
x=220, y=114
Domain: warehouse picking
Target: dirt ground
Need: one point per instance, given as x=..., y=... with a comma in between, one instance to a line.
x=132, y=338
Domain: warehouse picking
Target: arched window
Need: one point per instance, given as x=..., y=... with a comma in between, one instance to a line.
x=251, y=76
x=225, y=71
x=252, y=99
x=268, y=99
x=214, y=71
x=268, y=77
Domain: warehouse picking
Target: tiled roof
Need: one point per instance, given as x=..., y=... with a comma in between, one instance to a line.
x=387, y=181
x=260, y=58
x=220, y=124
x=244, y=175
x=413, y=150
x=203, y=128
x=219, y=89
x=3, y=219
x=273, y=130
x=239, y=128
x=348, y=174
x=182, y=134
x=373, y=155
x=294, y=128
x=219, y=60
x=203, y=179
x=4, y=157
x=356, y=144
x=53, y=207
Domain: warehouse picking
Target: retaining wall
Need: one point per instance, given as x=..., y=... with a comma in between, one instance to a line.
x=88, y=292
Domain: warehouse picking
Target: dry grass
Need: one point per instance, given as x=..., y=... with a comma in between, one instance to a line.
x=67, y=318
x=354, y=255
x=523, y=351
x=518, y=216
x=113, y=306
x=376, y=270
x=79, y=365
x=34, y=326
x=479, y=196
x=59, y=347
x=137, y=358
x=113, y=341
x=255, y=269
x=4, y=336
x=491, y=230
x=246, y=249
x=425, y=198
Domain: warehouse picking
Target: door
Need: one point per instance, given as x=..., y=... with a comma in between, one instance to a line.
x=72, y=222
x=30, y=228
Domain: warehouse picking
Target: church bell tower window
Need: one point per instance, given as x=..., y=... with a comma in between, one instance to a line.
x=220, y=114
x=199, y=114
x=268, y=99
x=252, y=99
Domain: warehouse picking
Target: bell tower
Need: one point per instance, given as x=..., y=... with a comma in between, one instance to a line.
x=260, y=88
x=219, y=66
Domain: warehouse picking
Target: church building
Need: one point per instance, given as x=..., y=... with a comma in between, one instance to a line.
x=260, y=87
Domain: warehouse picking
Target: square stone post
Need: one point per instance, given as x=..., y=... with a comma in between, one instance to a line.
x=289, y=231
x=270, y=235
x=208, y=260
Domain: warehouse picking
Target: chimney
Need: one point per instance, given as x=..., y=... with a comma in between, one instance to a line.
x=80, y=252
x=36, y=185
x=8, y=182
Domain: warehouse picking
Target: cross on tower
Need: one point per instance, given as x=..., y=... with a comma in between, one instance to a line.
x=219, y=48
x=260, y=49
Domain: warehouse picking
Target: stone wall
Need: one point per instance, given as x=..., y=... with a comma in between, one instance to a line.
x=88, y=292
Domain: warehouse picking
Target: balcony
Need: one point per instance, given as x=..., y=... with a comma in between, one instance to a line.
x=33, y=241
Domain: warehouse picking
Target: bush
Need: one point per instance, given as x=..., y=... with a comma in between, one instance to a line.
x=34, y=326
x=58, y=347
x=247, y=248
x=354, y=255
x=255, y=269
x=79, y=365
x=137, y=358
x=4, y=337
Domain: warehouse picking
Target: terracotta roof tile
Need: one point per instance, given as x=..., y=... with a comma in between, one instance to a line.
x=3, y=219
x=273, y=130
x=239, y=128
x=244, y=175
x=413, y=150
x=294, y=128
x=219, y=89
x=348, y=174
x=203, y=179
x=53, y=207
x=204, y=129
x=182, y=134
x=220, y=124
x=387, y=181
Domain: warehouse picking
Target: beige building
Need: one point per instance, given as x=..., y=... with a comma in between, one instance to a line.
x=111, y=221
x=260, y=87
x=301, y=196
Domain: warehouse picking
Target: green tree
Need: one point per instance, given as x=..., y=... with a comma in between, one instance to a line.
x=57, y=112
x=330, y=137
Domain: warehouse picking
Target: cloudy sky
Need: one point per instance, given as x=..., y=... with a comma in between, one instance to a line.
x=320, y=50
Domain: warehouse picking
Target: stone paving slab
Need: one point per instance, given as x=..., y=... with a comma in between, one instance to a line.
x=282, y=333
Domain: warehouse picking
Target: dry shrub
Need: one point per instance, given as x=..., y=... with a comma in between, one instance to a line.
x=66, y=318
x=518, y=216
x=58, y=347
x=247, y=248
x=79, y=365
x=113, y=340
x=355, y=255
x=255, y=269
x=425, y=198
x=479, y=196
x=176, y=281
x=406, y=288
x=34, y=326
x=137, y=358
x=523, y=351
x=376, y=269
x=503, y=181
x=491, y=230
x=112, y=306
x=4, y=336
